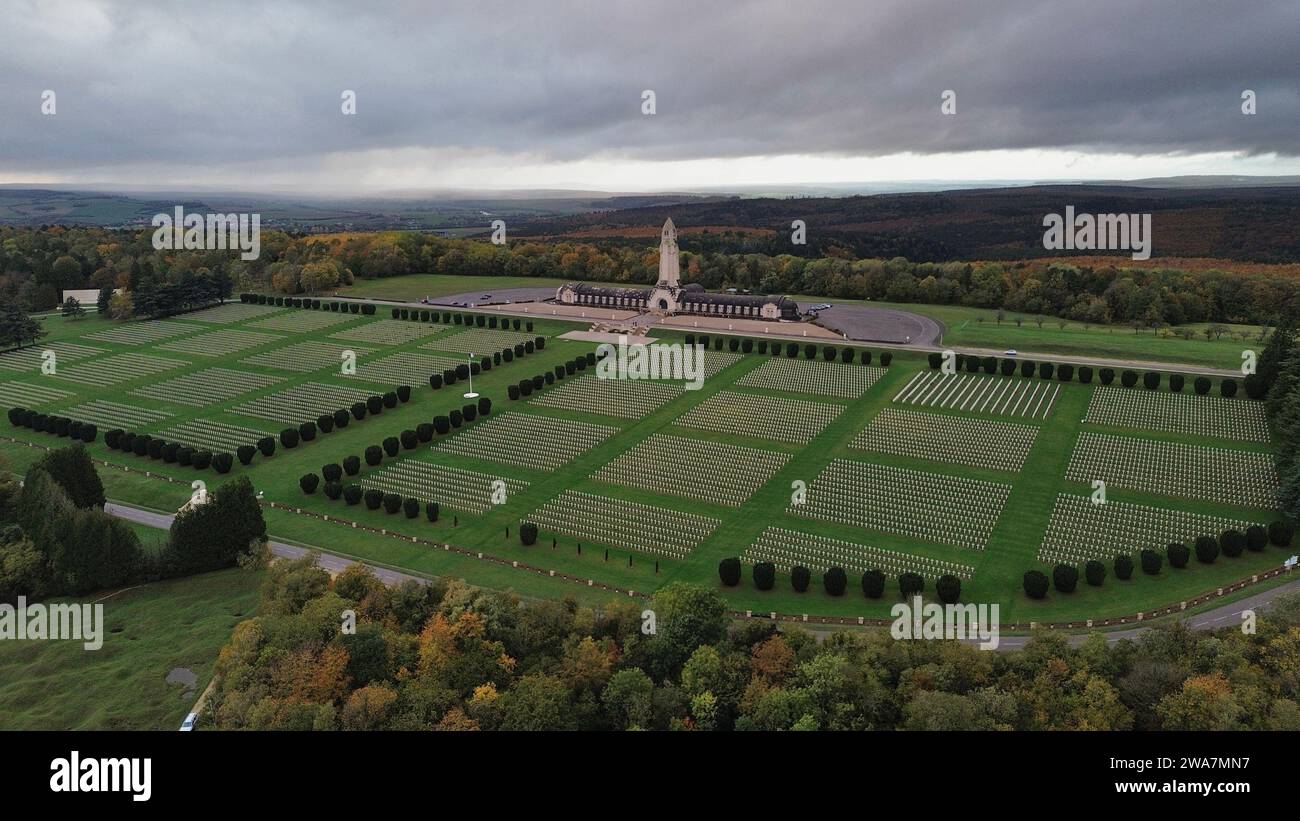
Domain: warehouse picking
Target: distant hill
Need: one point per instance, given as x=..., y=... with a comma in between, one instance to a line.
x=1253, y=223
x=457, y=213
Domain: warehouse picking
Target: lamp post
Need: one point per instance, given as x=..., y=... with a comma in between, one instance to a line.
x=471, y=393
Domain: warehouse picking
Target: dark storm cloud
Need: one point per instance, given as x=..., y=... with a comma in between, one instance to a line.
x=218, y=83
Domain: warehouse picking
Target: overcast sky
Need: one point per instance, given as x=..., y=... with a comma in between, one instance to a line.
x=549, y=93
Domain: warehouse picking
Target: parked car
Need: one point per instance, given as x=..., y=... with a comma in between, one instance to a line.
x=188, y=724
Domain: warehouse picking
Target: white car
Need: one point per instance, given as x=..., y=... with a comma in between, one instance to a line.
x=188, y=724
x=1009, y=352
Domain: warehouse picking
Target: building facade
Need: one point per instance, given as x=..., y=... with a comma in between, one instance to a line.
x=669, y=297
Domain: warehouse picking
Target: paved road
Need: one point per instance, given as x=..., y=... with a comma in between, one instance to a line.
x=1225, y=616
x=328, y=561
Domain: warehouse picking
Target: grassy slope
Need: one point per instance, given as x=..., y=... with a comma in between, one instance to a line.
x=58, y=685
x=1012, y=548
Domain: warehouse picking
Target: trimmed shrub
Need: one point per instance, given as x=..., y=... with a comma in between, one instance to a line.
x=202, y=459
x=1035, y=584
x=1151, y=380
x=470, y=412
x=764, y=575
x=1207, y=549
x=170, y=450
x=1085, y=375
x=1027, y=369
x=391, y=445
x=244, y=453
x=1228, y=388
x=390, y=400
x=375, y=404
x=1107, y=376
x=484, y=406
x=1095, y=573
x=325, y=423
x=411, y=507
x=358, y=411
x=374, y=498
x=873, y=584
x=885, y=359
x=333, y=490
x=1176, y=381
x=1123, y=566
x=1177, y=554
x=1065, y=578
x=1065, y=373
x=404, y=393
x=332, y=472
x=392, y=503
x=1046, y=370
x=528, y=533
x=409, y=439
x=799, y=575
x=1150, y=561
x=431, y=511
x=185, y=456
x=1128, y=379
x=341, y=418
x=307, y=430
x=834, y=581
x=911, y=584
x=1201, y=385
x=266, y=445
x=435, y=381
x=374, y=455
x=1256, y=538
x=309, y=483
x=729, y=571
x=456, y=418
x=1232, y=543
x=1281, y=532
x=442, y=425
x=351, y=465
x=289, y=438
x=512, y=391
x=352, y=494
x=948, y=588
x=424, y=432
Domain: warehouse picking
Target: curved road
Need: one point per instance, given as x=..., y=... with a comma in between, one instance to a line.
x=1226, y=615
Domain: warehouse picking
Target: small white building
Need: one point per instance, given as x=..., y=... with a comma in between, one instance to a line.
x=88, y=297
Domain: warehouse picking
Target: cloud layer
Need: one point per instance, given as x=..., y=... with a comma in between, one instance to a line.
x=251, y=90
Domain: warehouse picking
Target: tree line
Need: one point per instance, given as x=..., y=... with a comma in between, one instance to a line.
x=35, y=264
x=447, y=656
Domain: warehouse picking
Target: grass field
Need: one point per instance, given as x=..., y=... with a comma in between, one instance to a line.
x=149, y=631
x=966, y=327
x=1021, y=505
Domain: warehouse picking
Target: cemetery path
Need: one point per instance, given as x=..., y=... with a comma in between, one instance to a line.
x=1225, y=616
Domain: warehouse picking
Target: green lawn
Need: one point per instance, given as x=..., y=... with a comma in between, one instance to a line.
x=149, y=631
x=966, y=327
x=1011, y=551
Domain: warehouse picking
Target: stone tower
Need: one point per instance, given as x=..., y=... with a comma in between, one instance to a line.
x=669, y=270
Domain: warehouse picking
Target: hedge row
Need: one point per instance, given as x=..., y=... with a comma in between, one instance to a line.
x=406, y=440
x=829, y=353
x=1255, y=386
x=835, y=581
x=58, y=425
x=1207, y=549
x=527, y=387
x=368, y=309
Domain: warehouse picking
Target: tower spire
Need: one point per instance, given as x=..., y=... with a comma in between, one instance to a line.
x=669, y=269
